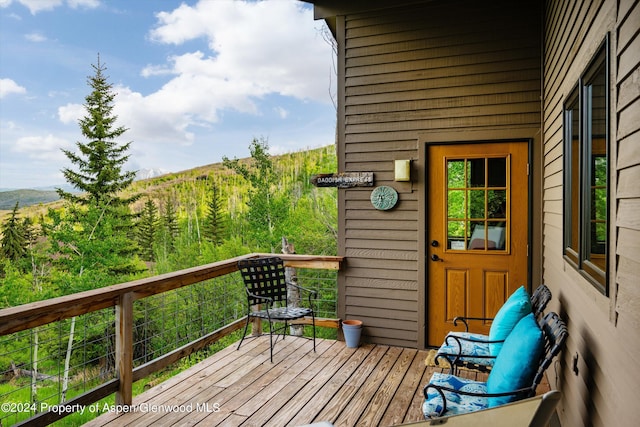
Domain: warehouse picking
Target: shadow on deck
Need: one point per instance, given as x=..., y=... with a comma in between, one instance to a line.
x=373, y=385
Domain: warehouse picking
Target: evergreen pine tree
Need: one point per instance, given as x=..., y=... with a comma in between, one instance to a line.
x=214, y=227
x=169, y=224
x=13, y=245
x=100, y=160
x=147, y=230
x=99, y=235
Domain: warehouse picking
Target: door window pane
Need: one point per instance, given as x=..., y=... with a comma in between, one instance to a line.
x=456, y=203
x=455, y=174
x=497, y=204
x=456, y=233
x=476, y=203
x=497, y=172
x=475, y=173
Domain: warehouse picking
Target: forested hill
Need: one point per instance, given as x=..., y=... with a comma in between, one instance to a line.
x=8, y=199
x=215, y=212
x=296, y=166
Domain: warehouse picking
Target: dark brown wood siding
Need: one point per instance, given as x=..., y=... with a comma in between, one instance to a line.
x=445, y=66
x=599, y=376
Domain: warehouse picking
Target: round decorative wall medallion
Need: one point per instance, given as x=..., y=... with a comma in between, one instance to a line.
x=384, y=197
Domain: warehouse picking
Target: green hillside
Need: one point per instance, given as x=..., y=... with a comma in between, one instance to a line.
x=25, y=198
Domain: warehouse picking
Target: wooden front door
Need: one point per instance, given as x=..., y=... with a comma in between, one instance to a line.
x=477, y=236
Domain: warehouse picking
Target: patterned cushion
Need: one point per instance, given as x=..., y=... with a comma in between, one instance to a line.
x=515, y=308
x=517, y=363
x=456, y=403
x=470, y=348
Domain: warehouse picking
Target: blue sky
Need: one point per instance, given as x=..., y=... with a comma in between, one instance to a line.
x=195, y=80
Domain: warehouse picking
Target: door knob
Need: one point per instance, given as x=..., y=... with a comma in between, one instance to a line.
x=435, y=257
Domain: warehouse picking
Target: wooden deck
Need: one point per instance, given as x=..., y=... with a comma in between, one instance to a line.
x=373, y=385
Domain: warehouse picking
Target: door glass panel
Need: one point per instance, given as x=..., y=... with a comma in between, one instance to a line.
x=497, y=172
x=496, y=235
x=497, y=204
x=455, y=173
x=456, y=203
x=457, y=235
x=475, y=173
x=478, y=235
x=478, y=204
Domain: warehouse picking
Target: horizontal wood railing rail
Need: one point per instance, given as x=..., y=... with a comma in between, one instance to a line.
x=122, y=296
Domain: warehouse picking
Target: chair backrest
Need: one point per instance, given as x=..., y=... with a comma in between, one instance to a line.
x=555, y=335
x=264, y=277
x=539, y=300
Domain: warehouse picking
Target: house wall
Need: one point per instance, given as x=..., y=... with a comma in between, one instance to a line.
x=410, y=74
x=599, y=375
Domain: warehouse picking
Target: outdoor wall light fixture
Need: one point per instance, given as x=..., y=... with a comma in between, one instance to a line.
x=402, y=170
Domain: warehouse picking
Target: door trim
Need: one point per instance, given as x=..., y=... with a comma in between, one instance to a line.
x=534, y=233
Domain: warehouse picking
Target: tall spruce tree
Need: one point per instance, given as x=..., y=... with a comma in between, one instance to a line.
x=100, y=160
x=214, y=226
x=148, y=230
x=13, y=245
x=101, y=235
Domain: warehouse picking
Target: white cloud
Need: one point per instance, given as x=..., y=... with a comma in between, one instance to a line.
x=283, y=113
x=255, y=49
x=89, y=4
x=8, y=86
x=36, y=6
x=71, y=113
x=41, y=147
x=35, y=37
x=273, y=45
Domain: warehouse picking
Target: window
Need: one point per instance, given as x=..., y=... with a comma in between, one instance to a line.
x=586, y=171
x=477, y=201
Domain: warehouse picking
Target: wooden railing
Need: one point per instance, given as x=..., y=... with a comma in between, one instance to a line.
x=122, y=297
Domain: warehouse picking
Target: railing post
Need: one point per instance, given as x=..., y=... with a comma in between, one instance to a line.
x=124, y=348
x=256, y=324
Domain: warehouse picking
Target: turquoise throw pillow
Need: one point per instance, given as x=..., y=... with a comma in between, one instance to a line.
x=515, y=308
x=517, y=362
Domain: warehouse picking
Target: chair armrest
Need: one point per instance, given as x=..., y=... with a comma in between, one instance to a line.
x=455, y=355
x=312, y=292
x=441, y=389
x=464, y=320
x=458, y=340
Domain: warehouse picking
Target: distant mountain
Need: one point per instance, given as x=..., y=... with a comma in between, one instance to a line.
x=25, y=198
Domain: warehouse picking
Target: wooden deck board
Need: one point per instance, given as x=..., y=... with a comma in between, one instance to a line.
x=368, y=386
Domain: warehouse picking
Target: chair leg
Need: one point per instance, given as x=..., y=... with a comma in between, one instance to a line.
x=271, y=340
x=246, y=327
x=313, y=323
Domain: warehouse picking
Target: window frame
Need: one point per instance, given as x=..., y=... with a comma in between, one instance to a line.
x=578, y=225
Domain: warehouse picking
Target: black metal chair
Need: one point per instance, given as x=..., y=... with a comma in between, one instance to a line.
x=472, y=351
x=453, y=395
x=267, y=288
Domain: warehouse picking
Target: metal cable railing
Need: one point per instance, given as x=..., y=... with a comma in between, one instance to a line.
x=39, y=373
